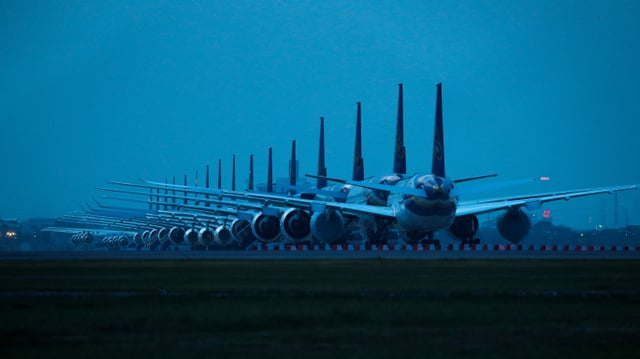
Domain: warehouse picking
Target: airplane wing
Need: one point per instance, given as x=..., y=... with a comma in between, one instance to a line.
x=531, y=202
x=317, y=206
x=235, y=202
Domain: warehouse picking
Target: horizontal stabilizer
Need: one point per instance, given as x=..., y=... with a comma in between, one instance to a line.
x=491, y=186
x=380, y=186
x=460, y=180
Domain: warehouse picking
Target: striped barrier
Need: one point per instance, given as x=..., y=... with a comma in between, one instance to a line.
x=447, y=248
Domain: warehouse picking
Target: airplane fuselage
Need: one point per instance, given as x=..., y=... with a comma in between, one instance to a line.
x=417, y=215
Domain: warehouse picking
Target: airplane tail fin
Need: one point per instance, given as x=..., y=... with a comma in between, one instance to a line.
x=358, y=162
x=206, y=177
x=270, y=173
x=150, y=198
x=322, y=169
x=251, y=173
x=233, y=174
x=206, y=184
x=293, y=170
x=185, y=192
x=219, y=174
x=400, y=159
x=437, y=164
x=173, y=193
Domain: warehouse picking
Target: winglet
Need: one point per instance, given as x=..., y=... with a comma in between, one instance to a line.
x=322, y=169
x=437, y=164
x=400, y=159
x=358, y=162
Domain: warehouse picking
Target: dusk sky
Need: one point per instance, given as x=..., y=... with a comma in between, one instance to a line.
x=92, y=91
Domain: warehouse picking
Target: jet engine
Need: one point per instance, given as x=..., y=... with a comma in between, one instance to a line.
x=153, y=236
x=191, y=237
x=223, y=236
x=176, y=235
x=137, y=239
x=514, y=225
x=241, y=231
x=464, y=228
x=87, y=238
x=146, y=235
x=206, y=236
x=123, y=241
x=265, y=228
x=295, y=224
x=163, y=234
x=327, y=225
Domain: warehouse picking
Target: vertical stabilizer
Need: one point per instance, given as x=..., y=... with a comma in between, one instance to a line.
x=437, y=164
x=166, y=194
x=206, y=177
x=185, y=192
x=322, y=169
x=233, y=174
x=250, y=172
x=219, y=173
x=270, y=173
x=206, y=184
x=173, y=193
x=293, y=166
x=399, y=158
x=358, y=162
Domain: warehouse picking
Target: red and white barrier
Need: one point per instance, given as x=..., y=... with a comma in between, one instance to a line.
x=445, y=248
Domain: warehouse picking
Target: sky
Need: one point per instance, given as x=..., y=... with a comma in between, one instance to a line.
x=92, y=91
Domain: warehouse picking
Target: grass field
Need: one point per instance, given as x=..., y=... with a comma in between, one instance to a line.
x=320, y=308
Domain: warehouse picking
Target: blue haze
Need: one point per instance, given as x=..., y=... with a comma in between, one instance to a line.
x=97, y=90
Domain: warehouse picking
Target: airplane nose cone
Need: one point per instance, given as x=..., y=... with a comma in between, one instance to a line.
x=436, y=192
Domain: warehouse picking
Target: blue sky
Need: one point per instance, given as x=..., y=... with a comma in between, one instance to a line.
x=93, y=91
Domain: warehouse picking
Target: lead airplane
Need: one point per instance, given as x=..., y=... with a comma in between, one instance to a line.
x=416, y=205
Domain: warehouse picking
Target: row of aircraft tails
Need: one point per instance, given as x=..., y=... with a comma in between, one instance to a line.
x=370, y=210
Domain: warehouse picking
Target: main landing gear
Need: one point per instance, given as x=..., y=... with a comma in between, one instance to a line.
x=465, y=228
x=428, y=241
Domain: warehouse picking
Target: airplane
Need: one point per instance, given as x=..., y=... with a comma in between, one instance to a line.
x=415, y=205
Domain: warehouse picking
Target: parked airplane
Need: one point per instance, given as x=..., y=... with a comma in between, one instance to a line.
x=415, y=205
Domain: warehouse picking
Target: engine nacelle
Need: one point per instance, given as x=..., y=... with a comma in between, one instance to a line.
x=206, y=236
x=108, y=242
x=514, y=225
x=123, y=241
x=295, y=224
x=191, y=237
x=146, y=235
x=223, y=236
x=265, y=228
x=153, y=236
x=241, y=231
x=137, y=239
x=176, y=235
x=163, y=234
x=327, y=226
x=465, y=227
